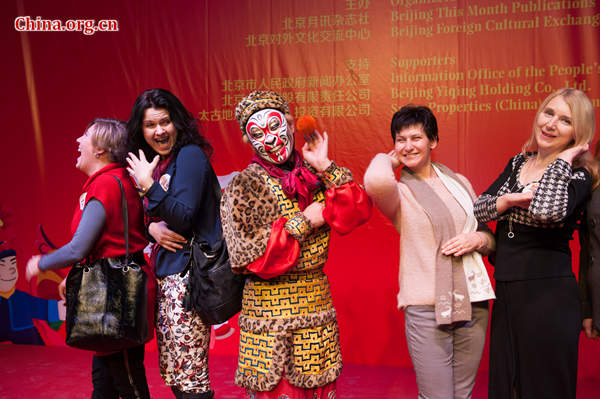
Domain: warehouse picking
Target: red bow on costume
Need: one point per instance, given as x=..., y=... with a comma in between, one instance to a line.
x=298, y=183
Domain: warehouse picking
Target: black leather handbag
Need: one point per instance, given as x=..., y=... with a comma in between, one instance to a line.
x=213, y=290
x=107, y=300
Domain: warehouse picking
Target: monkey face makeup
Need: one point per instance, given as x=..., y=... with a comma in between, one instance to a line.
x=269, y=133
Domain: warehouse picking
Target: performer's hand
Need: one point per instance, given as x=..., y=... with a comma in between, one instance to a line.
x=62, y=290
x=463, y=244
x=315, y=151
x=32, y=268
x=314, y=214
x=570, y=154
x=395, y=159
x=141, y=170
x=166, y=238
x=589, y=329
x=520, y=200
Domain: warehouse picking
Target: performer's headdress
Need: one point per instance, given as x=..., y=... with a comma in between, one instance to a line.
x=256, y=101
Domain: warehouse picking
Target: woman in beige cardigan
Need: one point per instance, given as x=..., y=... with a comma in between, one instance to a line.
x=444, y=286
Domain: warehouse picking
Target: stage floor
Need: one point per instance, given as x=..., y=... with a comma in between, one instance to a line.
x=49, y=372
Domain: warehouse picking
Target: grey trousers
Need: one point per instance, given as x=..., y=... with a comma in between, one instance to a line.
x=445, y=358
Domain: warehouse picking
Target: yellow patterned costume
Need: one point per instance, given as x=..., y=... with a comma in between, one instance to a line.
x=288, y=323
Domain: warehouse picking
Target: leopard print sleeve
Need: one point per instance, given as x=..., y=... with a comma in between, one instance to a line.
x=248, y=209
x=299, y=227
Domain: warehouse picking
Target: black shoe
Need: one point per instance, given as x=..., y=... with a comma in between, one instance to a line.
x=203, y=395
x=189, y=395
x=176, y=392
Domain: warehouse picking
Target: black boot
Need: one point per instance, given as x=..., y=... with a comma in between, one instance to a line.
x=176, y=392
x=189, y=395
x=202, y=395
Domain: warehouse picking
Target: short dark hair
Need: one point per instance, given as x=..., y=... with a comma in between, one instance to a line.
x=188, y=128
x=415, y=115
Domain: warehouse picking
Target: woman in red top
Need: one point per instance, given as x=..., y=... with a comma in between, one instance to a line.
x=97, y=228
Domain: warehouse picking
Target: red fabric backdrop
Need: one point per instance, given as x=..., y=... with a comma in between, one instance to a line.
x=483, y=67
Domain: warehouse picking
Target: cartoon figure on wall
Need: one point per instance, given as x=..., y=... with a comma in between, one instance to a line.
x=18, y=309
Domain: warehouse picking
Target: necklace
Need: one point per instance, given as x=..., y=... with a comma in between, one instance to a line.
x=531, y=186
x=533, y=169
x=510, y=233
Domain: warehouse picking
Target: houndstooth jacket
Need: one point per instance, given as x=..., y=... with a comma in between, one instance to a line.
x=559, y=193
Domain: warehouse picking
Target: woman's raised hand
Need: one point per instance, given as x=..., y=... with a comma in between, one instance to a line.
x=395, y=159
x=570, y=154
x=141, y=169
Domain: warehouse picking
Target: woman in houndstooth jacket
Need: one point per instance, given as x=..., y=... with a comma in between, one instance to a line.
x=537, y=202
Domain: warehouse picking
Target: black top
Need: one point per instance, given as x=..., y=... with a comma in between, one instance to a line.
x=539, y=247
x=189, y=205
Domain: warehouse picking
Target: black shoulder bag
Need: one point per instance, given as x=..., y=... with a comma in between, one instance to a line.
x=107, y=300
x=212, y=290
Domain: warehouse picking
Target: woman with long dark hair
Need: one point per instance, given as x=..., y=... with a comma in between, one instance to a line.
x=169, y=159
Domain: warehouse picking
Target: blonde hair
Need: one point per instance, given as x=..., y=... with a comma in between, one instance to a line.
x=584, y=126
x=109, y=135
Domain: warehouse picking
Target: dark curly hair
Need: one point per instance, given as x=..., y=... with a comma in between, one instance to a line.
x=188, y=127
x=413, y=115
